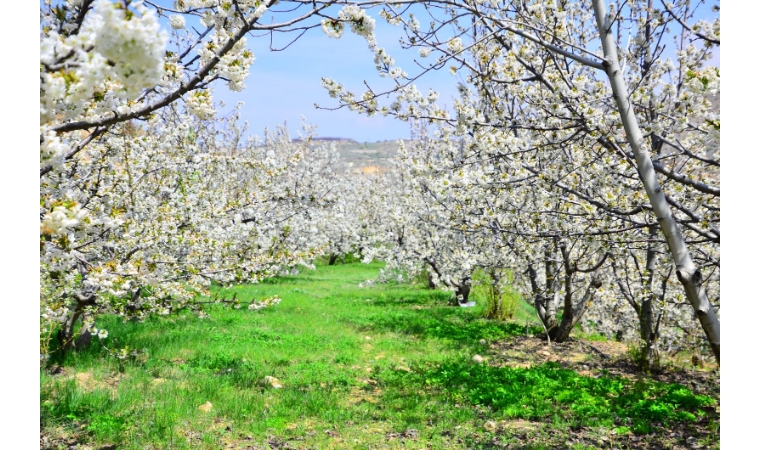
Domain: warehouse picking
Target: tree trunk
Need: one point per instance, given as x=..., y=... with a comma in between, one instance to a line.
x=66, y=333
x=546, y=307
x=463, y=292
x=686, y=270
x=572, y=315
x=649, y=356
x=333, y=258
x=83, y=340
x=431, y=281
x=546, y=300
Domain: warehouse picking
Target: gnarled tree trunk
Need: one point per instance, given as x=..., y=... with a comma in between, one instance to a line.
x=462, y=293
x=547, y=300
x=431, y=280
x=67, y=331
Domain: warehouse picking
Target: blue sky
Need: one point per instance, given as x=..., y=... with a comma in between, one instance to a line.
x=284, y=86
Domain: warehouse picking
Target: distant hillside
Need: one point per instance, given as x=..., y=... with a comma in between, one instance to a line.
x=329, y=139
x=362, y=157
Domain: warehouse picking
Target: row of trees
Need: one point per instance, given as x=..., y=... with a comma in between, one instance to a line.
x=147, y=219
x=583, y=153
x=145, y=196
x=582, y=156
x=575, y=265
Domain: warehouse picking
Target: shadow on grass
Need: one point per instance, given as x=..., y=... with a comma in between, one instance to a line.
x=403, y=295
x=462, y=327
x=551, y=392
x=153, y=334
x=288, y=280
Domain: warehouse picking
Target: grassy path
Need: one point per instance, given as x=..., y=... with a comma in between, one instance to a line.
x=386, y=366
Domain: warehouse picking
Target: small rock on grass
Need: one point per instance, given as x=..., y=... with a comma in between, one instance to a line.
x=490, y=426
x=206, y=407
x=272, y=381
x=477, y=359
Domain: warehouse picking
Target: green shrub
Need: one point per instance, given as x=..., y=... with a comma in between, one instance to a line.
x=500, y=299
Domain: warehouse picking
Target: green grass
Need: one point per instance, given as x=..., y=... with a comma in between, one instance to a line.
x=360, y=368
x=547, y=390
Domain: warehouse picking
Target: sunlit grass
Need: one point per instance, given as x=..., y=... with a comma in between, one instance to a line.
x=359, y=368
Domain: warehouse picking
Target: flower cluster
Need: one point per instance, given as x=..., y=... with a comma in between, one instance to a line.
x=133, y=44
x=177, y=21
x=62, y=218
x=200, y=104
x=358, y=20
x=265, y=303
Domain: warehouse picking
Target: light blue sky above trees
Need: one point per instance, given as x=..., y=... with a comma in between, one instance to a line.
x=285, y=85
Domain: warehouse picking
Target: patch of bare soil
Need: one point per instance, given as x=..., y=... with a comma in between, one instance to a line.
x=61, y=438
x=547, y=437
x=368, y=392
x=88, y=382
x=271, y=443
x=410, y=434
